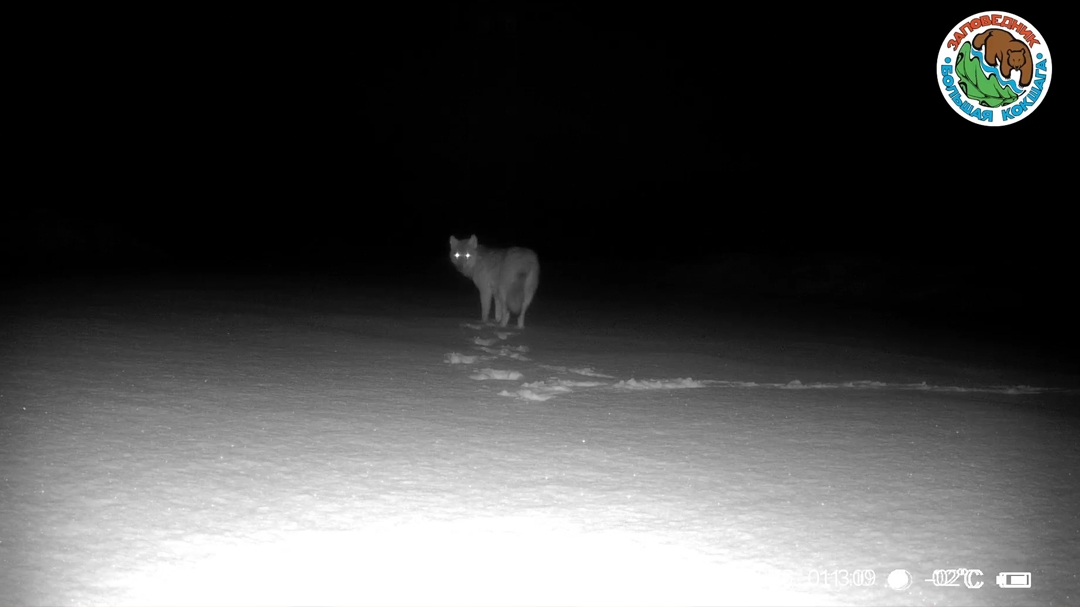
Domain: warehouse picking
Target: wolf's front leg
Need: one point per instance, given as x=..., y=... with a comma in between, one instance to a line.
x=485, y=303
x=500, y=311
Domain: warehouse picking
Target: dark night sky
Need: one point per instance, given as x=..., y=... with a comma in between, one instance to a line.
x=611, y=138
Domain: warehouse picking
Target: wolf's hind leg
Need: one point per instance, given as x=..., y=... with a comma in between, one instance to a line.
x=531, y=282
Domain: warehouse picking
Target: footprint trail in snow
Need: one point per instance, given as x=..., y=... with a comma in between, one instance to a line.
x=564, y=380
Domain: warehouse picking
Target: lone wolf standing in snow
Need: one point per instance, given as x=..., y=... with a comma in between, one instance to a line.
x=509, y=275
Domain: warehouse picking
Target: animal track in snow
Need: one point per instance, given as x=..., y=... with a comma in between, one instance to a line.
x=586, y=371
x=542, y=390
x=529, y=394
x=589, y=372
x=658, y=384
x=505, y=352
x=496, y=374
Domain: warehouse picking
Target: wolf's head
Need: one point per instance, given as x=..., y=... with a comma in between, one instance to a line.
x=463, y=254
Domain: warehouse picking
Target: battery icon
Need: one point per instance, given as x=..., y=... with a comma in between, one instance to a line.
x=1014, y=579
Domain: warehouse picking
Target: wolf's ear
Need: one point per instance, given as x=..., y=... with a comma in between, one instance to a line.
x=453, y=242
x=472, y=241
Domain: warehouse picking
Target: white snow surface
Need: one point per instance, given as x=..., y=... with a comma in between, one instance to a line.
x=274, y=445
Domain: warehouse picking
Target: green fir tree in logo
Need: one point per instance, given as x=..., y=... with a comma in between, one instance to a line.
x=979, y=86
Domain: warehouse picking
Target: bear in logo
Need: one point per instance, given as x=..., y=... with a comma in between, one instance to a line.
x=1006, y=52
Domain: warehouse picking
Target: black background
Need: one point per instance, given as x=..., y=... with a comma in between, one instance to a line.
x=742, y=152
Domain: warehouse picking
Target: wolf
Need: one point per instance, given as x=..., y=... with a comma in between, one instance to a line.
x=510, y=276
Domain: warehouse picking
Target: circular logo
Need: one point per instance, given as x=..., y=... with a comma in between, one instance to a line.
x=994, y=68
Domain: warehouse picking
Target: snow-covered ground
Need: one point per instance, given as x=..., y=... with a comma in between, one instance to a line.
x=317, y=444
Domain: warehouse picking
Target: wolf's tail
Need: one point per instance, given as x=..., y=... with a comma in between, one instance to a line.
x=516, y=296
